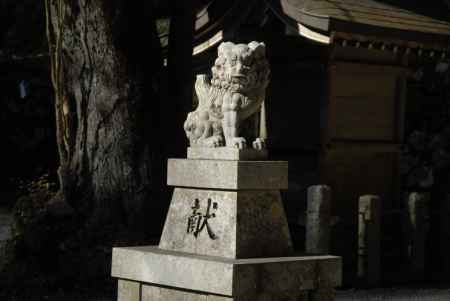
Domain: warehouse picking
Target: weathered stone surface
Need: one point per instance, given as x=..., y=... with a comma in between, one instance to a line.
x=228, y=174
x=174, y=269
x=329, y=272
x=318, y=220
x=156, y=293
x=261, y=214
x=369, y=236
x=219, y=241
x=417, y=226
x=236, y=221
x=226, y=153
x=220, y=298
x=220, y=276
x=128, y=290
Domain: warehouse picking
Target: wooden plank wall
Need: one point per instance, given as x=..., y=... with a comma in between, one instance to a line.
x=361, y=144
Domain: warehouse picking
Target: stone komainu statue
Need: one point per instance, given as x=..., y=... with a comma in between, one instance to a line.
x=230, y=100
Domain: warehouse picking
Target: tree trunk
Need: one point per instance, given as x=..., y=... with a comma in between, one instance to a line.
x=105, y=59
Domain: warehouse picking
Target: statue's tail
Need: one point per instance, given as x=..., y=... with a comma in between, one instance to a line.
x=202, y=88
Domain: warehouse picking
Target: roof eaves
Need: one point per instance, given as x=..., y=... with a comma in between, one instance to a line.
x=301, y=15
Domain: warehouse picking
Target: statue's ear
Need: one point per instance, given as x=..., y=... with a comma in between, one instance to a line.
x=258, y=48
x=224, y=47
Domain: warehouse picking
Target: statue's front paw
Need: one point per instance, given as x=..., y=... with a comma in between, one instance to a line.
x=259, y=143
x=214, y=141
x=238, y=142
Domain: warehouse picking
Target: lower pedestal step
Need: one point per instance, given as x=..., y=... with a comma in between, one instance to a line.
x=135, y=291
x=149, y=273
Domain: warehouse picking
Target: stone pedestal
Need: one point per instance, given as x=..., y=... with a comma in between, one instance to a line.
x=225, y=238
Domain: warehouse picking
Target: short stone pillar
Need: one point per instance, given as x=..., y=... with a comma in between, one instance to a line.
x=318, y=220
x=369, y=232
x=417, y=229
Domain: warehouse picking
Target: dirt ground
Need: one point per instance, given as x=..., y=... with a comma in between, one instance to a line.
x=394, y=295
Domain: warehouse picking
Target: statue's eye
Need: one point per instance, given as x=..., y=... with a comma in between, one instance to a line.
x=247, y=61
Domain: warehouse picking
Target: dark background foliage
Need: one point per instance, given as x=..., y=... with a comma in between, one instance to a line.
x=27, y=122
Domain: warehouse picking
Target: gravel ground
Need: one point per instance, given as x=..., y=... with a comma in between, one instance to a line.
x=371, y=295
x=394, y=294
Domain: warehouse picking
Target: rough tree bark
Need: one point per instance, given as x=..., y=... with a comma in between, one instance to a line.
x=105, y=58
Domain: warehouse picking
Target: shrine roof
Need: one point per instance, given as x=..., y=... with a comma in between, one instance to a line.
x=424, y=21
x=398, y=25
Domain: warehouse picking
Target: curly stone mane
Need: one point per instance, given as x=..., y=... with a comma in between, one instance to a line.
x=231, y=96
x=251, y=56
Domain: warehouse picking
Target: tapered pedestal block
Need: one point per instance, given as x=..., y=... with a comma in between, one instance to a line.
x=227, y=223
x=225, y=238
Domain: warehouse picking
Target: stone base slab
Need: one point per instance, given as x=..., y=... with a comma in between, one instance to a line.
x=242, y=279
x=136, y=291
x=226, y=153
x=223, y=174
x=156, y=293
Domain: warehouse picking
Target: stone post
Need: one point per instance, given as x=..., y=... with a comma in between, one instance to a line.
x=318, y=220
x=417, y=227
x=369, y=226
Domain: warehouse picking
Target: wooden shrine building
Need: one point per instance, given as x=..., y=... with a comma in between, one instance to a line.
x=336, y=102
